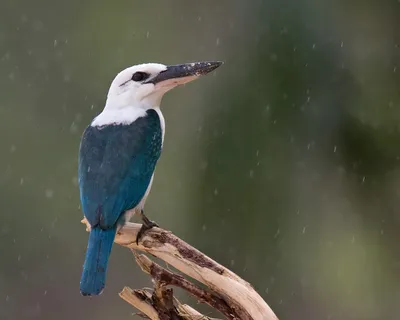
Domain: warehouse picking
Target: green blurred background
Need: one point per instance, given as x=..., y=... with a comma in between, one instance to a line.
x=283, y=165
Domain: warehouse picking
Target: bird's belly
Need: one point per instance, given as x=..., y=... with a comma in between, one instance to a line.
x=141, y=203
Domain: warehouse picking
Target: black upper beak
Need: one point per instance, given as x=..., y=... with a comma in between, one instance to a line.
x=185, y=70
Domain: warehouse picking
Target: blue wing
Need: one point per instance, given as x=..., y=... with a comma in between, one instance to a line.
x=116, y=163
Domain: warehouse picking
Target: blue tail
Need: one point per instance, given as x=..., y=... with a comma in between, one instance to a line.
x=95, y=267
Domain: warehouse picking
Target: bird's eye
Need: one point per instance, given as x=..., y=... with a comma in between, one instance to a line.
x=140, y=76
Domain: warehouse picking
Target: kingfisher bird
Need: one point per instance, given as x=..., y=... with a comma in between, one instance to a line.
x=118, y=154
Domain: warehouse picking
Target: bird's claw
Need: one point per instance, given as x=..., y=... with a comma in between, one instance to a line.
x=146, y=226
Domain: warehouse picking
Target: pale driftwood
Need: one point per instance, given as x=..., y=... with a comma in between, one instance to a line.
x=163, y=278
x=194, y=314
x=144, y=300
x=238, y=294
x=141, y=299
x=227, y=292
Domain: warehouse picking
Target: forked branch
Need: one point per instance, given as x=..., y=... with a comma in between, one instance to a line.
x=226, y=292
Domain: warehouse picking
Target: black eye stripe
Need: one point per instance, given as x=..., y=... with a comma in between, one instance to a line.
x=140, y=76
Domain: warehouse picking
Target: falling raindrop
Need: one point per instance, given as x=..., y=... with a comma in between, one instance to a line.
x=49, y=193
x=251, y=173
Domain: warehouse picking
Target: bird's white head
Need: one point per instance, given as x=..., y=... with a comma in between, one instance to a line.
x=144, y=85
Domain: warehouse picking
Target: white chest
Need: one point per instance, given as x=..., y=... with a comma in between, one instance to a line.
x=162, y=122
x=125, y=116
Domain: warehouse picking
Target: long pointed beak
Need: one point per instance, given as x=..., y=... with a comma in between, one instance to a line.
x=182, y=73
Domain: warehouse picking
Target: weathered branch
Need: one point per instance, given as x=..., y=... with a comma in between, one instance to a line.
x=226, y=292
x=165, y=277
x=160, y=305
x=141, y=299
x=238, y=294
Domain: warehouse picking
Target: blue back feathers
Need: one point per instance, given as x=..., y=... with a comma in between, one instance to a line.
x=116, y=163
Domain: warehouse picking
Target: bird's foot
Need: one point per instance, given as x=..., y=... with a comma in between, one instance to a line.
x=146, y=226
x=85, y=222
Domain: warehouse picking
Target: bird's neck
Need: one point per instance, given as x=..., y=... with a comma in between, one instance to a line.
x=115, y=114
